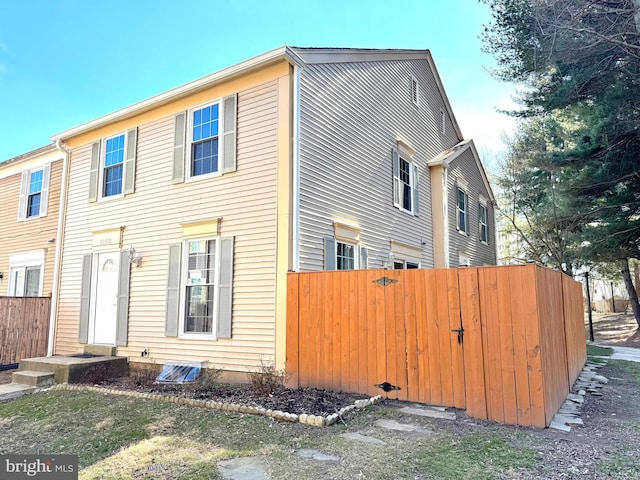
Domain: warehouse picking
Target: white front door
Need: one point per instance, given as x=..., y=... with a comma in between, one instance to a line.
x=106, y=298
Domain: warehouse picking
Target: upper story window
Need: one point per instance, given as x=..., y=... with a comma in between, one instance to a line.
x=204, y=140
x=205, y=143
x=34, y=189
x=462, y=218
x=405, y=183
x=35, y=193
x=113, y=166
x=482, y=223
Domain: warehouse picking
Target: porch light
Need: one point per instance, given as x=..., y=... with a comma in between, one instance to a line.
x=133, y=257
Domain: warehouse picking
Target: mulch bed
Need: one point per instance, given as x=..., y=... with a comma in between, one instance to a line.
x=310, y=401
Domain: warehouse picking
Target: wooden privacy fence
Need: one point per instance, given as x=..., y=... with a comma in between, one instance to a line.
x=24, y=328
x=505, y=343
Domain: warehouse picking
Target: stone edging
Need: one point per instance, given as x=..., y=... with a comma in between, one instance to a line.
x=314, y=420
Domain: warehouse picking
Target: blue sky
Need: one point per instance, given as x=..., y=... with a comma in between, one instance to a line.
x=65, y=62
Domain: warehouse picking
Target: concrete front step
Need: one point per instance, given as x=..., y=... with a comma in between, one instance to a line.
x=68, y=369
x=9, y=391
x=32, y=378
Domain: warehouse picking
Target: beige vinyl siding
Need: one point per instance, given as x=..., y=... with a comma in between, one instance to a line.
x=465, y=167
x=351, y=116
x=152, y=217
x=31, y=234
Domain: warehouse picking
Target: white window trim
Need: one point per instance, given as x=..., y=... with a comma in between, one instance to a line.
x=462, y=186
x=102, y=167
x=356, y=253
x=189, y=142
x=404, y=262
x=183, y=290
x=483, y=204
x=412, y=183
x=24, y=260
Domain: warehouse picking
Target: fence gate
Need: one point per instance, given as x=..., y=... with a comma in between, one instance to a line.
x=371, y=327
x=424, y=336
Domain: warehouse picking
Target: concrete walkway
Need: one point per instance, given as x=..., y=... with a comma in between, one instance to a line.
x=625, y=353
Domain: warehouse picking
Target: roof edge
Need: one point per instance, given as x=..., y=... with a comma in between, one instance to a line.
x=33, y=153
x=445, y=158
x=258, y=61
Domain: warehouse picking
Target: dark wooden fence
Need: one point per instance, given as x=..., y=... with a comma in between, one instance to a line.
x=24, y=328
x=505, y=343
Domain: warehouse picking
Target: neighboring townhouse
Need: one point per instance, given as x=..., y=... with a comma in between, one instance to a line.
x=30, y=198
x=464, y=214
x=185, y=211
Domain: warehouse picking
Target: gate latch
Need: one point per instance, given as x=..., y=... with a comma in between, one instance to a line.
x=460, y=333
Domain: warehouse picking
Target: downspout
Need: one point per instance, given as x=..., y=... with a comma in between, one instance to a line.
x=296, y=168
x=62, y=208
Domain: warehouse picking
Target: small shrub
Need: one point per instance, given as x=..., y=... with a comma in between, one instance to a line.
x=144, y=374
x=206, y=381
x=267, y=380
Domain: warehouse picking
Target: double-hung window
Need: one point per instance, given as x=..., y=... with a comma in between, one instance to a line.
x=205, y=144
x=113, y=166
x=34, y=190
x=200, y=285
x=204, y=141
x=405, y=183
x=482, y=223
x=462, y=218
x=35, y=194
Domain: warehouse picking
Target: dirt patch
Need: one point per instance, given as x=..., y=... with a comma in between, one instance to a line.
x=619, y=329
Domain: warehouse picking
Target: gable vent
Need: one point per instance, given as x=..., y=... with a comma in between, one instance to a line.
x=414, y=91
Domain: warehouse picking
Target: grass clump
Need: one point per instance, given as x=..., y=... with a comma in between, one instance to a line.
x=623, y=369
x=620, y=465
x=595, y=350
x=479, y=456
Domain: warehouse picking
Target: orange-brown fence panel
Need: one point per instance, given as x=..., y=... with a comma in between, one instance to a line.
x=24, y=328
x=505, y=343
x=574, y=327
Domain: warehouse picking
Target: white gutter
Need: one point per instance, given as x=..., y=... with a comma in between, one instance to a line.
x=296, y=168
x=62, y=208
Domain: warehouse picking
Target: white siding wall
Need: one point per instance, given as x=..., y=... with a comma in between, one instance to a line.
x=152, y=217
x=465, y=167
x=351, y=117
